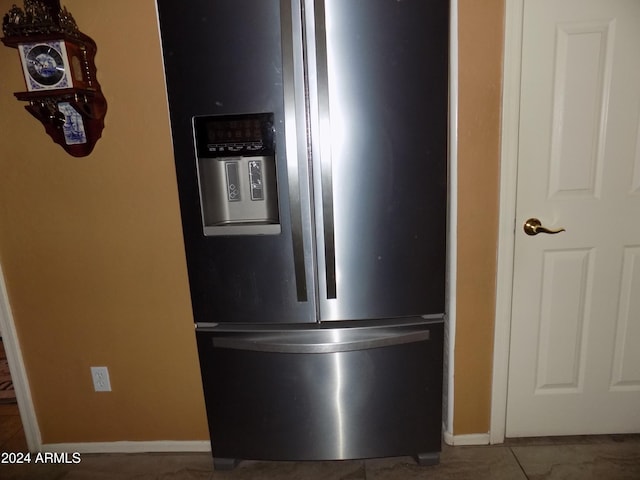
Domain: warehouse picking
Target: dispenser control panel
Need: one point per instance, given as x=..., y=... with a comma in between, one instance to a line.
x=230, y=135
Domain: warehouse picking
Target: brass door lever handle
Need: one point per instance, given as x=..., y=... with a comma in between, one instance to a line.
x=533, y=226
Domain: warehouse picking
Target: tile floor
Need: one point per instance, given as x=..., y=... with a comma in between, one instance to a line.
x=607, y=457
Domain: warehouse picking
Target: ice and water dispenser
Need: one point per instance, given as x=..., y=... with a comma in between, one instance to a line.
x=237, y=174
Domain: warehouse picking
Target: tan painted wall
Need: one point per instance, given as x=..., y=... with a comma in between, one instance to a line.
x=92, y=250
x=480, y=62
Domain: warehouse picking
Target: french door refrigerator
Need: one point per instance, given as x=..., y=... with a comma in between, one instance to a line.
x=310, y=142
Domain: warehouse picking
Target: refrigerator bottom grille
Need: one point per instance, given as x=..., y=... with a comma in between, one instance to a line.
x=377, y=402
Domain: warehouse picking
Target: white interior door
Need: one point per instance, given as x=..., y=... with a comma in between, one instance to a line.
x=574, y=365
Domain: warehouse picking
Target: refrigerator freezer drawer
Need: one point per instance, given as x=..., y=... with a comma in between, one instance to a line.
x=380, y=400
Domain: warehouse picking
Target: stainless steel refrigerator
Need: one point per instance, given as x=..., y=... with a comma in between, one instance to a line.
x=310, y=142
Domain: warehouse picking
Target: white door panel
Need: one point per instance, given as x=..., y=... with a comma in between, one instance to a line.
x=574, y=363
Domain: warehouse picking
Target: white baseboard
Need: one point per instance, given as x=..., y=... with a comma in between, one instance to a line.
x=163, y=446
x=470, y=439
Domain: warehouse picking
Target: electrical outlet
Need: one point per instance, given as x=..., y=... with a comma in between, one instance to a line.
x=101, y=382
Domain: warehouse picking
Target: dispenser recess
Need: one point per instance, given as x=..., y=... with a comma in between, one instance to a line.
x=237, y=174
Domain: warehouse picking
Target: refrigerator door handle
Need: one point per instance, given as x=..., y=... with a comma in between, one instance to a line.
x=322, y=71
x=327, y=341
x=295, y=129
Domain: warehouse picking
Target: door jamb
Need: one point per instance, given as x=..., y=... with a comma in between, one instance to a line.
x=18, y=371
x=514, y=14
x=452, y=227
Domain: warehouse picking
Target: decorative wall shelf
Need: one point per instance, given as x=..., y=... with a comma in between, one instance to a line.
x=58, y=63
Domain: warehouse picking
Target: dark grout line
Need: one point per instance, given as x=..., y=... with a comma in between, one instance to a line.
x=518, y=462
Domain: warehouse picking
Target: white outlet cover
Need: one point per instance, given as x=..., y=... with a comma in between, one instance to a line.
x=101, y=382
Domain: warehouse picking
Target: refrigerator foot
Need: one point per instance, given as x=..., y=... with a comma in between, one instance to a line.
x=225, y=463
x=428, y=459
